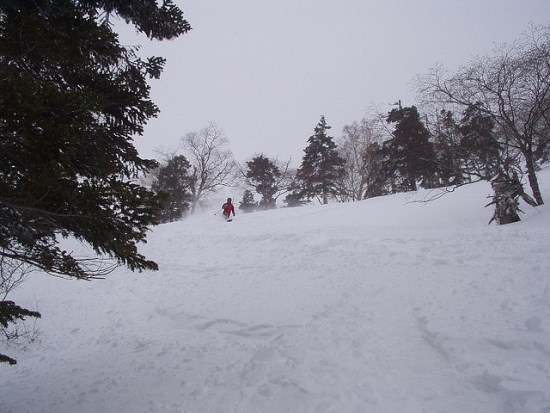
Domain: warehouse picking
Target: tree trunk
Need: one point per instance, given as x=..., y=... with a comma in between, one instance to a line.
x=505, y=199
x=533, y=181
x=194, y=205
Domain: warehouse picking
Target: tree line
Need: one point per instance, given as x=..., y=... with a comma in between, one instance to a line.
x=488, y=121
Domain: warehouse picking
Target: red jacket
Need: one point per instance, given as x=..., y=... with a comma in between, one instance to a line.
x=228, y=208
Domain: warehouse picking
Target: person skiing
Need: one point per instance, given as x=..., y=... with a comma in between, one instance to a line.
x=228, y=208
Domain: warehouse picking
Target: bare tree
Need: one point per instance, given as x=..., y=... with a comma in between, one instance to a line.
x=513, y=88
x=12, y=273
x=212, y=165
x=361, y=146
x=354, y=146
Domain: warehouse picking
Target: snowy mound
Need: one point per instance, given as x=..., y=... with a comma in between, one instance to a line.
x=386, y=305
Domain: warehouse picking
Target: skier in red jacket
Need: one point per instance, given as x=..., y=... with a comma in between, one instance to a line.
x=228, y=208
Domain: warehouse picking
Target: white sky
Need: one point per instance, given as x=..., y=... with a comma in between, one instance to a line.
x=266, y=71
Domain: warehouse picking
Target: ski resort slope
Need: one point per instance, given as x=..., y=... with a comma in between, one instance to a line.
x=385, y=305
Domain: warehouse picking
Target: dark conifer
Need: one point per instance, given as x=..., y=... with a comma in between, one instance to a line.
x=480, y=147
x=173, y=179
x=321, y=168
x=248, y=204
x=447, y=140
x=411, y=151
x=71, y=101
x=264, y=174
x=381, y=175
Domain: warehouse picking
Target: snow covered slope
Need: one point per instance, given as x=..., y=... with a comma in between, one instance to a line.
x=384, y=305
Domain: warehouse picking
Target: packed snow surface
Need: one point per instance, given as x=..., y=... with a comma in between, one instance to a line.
x=385, y=305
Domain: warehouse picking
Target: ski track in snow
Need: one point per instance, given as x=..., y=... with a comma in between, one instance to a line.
x=378, y=306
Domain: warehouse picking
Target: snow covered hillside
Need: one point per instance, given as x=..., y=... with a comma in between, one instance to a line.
x=380, y=306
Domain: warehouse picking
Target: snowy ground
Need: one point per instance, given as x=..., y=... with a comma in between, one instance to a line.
x=379, y=306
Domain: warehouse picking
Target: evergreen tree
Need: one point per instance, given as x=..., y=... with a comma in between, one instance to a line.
x=412, y=152
x=321, y=168
x=295, y=196
x=380, y=174
x=479, y=145
x=447, y=141
x=71, y=100
x=173, y=179
x=264, y=174
x=248, y=204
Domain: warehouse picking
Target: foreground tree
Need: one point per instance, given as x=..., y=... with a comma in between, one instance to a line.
x=71, y=100
x=322, y=167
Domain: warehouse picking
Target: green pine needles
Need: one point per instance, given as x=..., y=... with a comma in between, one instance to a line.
x=71, y=101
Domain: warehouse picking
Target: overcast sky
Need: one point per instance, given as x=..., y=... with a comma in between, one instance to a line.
x=265, y=71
